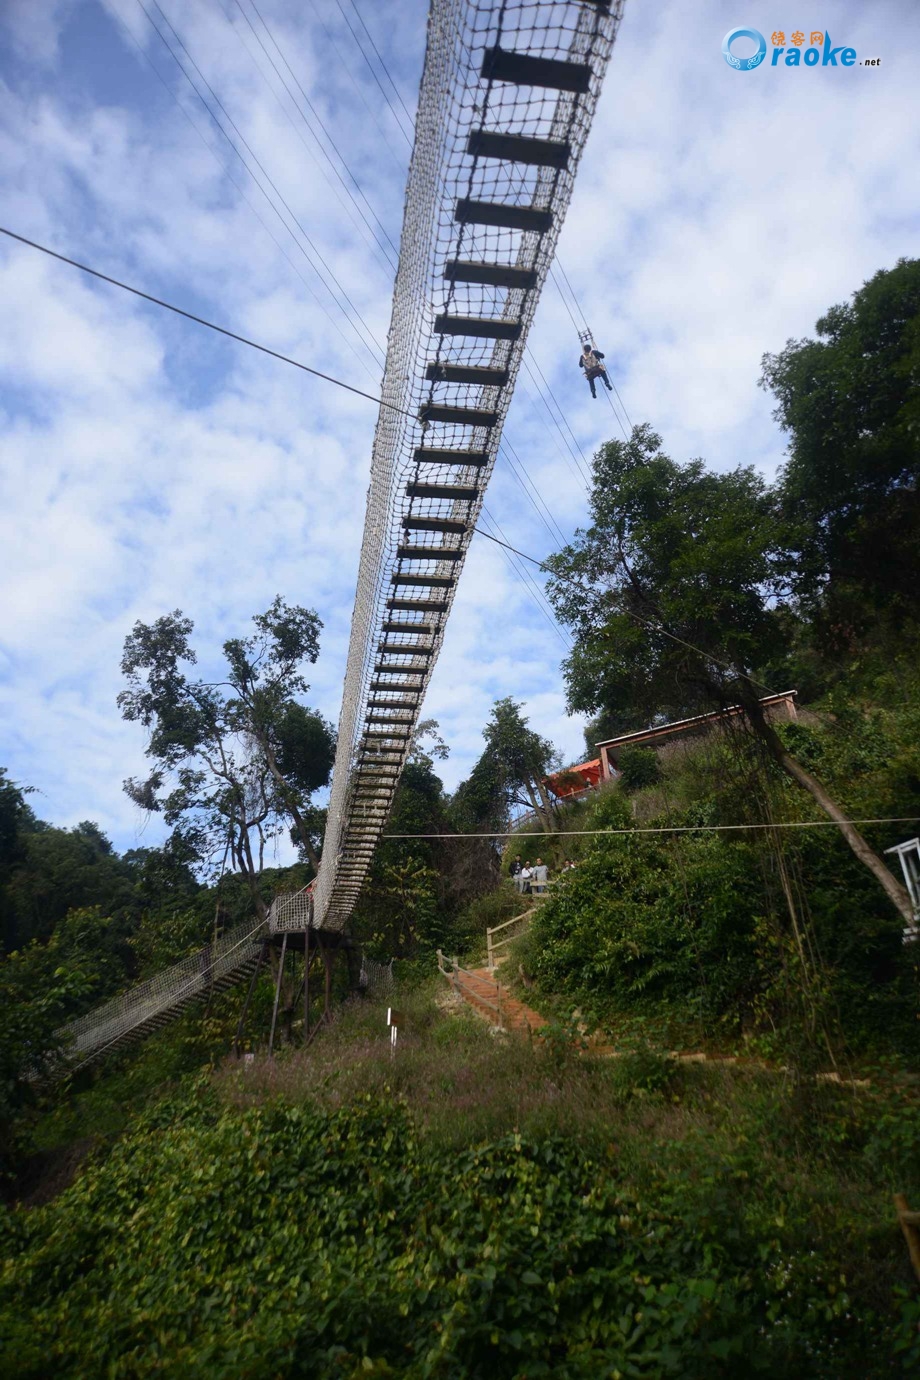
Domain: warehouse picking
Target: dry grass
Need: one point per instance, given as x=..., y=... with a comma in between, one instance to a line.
x=465, y=1083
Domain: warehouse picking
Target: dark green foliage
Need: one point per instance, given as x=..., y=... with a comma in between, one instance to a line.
x=645, y=922
x=509, y=772
x=672, y=549
x=56, y=870
x=780, y=937
x=301, y=1240
x=217, y=776
x=638, y=767
x=849, y=493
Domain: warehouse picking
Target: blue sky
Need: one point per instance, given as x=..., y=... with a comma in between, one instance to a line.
x=146, y=465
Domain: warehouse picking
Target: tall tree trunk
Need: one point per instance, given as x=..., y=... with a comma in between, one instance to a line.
x=537, y=807
x=252, y=875
x=547, y=803
x=288, y=797
x=895, y=891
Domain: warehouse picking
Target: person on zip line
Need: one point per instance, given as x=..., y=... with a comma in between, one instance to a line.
x=590, y=360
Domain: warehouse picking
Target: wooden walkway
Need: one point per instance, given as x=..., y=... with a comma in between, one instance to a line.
x=480, y=989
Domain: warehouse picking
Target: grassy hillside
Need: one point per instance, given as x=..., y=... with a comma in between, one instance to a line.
x=474, y=1208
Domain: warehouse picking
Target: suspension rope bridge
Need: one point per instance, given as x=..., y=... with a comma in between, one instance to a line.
x=508, y=94
x=507, y=97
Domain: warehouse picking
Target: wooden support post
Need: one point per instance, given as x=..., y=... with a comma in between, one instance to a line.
x=306, y=985
x=252, y=982
x=910, y=1226
x=271, y=1038
x=327, y=964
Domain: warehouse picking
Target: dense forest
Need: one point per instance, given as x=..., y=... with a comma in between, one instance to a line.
x=472, y=1211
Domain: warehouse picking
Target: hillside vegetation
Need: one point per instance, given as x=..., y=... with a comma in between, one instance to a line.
x=473, y=1209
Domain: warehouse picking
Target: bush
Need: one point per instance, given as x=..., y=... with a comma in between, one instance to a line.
x=639, y=767
x=293, y=1240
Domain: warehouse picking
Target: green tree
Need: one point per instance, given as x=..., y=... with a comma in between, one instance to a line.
x=671, y=596
x=57, y=870
x=850, y=403
x=509, y=772
x=232, y=761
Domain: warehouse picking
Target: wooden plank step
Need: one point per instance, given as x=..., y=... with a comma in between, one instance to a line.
x=386, y=685
x=503, y=64
x=424, y=629
x=458, y=416
x=419, y=605
x=435, y=581
x=404, y=649
x=530, y=218
x=482, y=327
x=467, y=373
x=428, y=525
x=430, y=553
x=491, y=275
x=458, y=491
x=444, y=455
x=518, y=148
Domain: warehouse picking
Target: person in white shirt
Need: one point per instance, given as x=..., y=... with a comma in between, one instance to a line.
x=526, y=876
x=540, y=876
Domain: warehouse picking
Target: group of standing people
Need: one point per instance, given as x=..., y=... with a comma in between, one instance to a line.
x=531, y=879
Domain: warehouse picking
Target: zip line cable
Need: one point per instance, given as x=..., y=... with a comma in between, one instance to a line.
x=229, y=174
x=242, y=340
x=366, y=343
x=542, y=604
x=270, y=182
x=346, y=67
x=226, y=170
x=365, y=229
x=563, y=418
x=212, y=117
x=519, y=478
x=557, y=263
x=518, y=472
x=392, y=248
x=580, y=330
x=538, y=594
x=201, y=321
x=520, y=469
x=664, y=829
x=652, y=627
x=571, y=460
x=370, y=66
x=531, y=586
x=409, y=117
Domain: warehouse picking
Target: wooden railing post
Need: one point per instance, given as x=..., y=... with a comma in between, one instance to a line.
x=910, y=1226
x=489, y=962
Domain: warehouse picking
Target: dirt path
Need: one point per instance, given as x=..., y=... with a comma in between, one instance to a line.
x=481, y=990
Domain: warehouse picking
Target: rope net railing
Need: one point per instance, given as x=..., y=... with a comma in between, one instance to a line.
x=220, y=964
x=508, y=93
x=159, y=998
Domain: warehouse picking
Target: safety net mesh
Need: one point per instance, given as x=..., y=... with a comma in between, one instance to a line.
x=507, y=96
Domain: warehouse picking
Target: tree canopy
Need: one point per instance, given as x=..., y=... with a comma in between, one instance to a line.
x=236, y=760
x=850, y=403
x=672, y=596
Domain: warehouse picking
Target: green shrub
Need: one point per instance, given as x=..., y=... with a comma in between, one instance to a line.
x=639, y=767
x=297, y=1240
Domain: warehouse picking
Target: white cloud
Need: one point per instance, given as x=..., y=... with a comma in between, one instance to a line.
x=146, y=465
